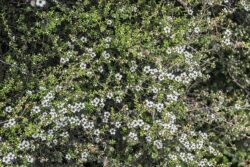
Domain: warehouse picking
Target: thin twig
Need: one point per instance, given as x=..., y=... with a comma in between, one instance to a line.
x=237, y=83
x=184, y=4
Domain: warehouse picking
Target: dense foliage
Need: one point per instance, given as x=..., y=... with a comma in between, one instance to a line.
x=124, y=83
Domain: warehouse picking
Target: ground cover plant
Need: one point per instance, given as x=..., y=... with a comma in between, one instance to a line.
x=147, y=83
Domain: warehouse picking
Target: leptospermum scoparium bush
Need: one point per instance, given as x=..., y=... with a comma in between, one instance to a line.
x=124, y=83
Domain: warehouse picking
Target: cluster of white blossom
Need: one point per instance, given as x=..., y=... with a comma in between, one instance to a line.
x=8, y=158
x=38, y=3
x=133, y=136
x=245, y=5
x=11, y=122
x=77, y=107
x=226, y=37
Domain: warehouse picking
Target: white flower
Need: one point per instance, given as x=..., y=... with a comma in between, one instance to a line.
x=146, y=69
x=141, y=54
x=150, y=104
x=133, y=136
x=155, y=90
x=202, y=162
x=173, y=157
x=95, y=102
x=186, y=144
x=97, y=132
x=180, y=49
x=148, y=138
x=135, y=9
x=146, y=127
x=159, y=107
x=36, y=109
x=196, y=30
x=109, y=22
x=83, y=39
x=68, y=157
x=228, y=32
x=64, y=60
x=153, y=71
x=83, y=66
x=8, y=109
x=33, y=3
x=92, y=55
x=118, y=76
x=158, y=144
x=138, y=88
x=209, y=164
x=106, y=55
x=161, y=77
x=84, y=155
x=108, y=39
x=227, y=41
x=199, y=145
x=24, y=144
x=190, y=11
x=140, y=122
x=133, y=68
x=118, y=124
x=237, y=106
x=6, y=160
x=204, y=135
x=106, y=114
x=10, y=123
x=40, y=3
x=183, y=157
x=30, y=159
x=109, y=95
x=118, y=99
x=169, y=51
x=55, y=141
x=105, y=120
x=29, y=92
x=100, y=69
x=112, y=131
x=167, y=30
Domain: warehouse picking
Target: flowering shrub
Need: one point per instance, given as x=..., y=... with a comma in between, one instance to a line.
x=124, y=83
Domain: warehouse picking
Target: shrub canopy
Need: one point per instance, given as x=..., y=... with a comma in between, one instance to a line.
x=124, y=83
